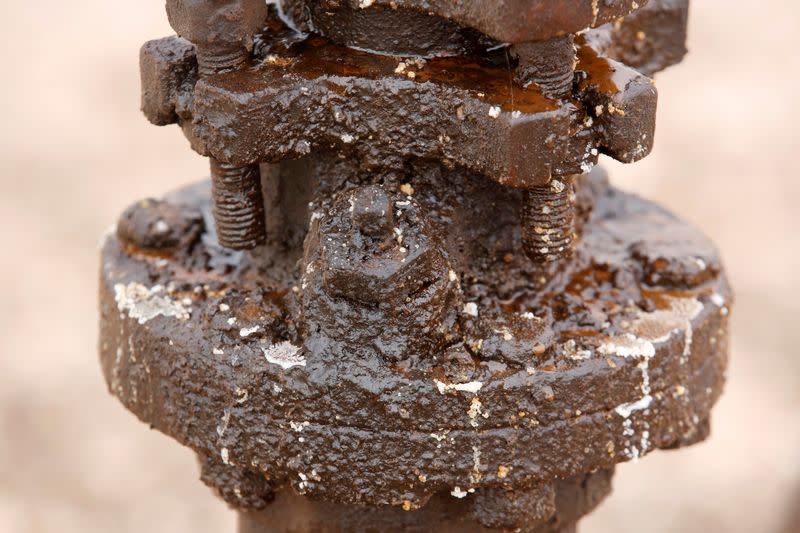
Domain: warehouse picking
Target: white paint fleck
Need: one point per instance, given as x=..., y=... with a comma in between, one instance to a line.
x=570, y=349
x=299, y=426
x=631, y=451
x=284, y=354
x=161, y=227
x=474, y=411
x=646, y=330
x=476, y=475
x=659, y=325
x=472, y=386
x=687, y=345
x=645, y=443
x=628, y=345
x=223, y=425
x=458, y=493
x=246, y=332
x=224, y=308
x=452, y=275
x=471, y=309
x=143, y=304
x=494, y=111
x=717, y=299
x=625, y=410
x=241, y=395
x=303, y=485
x=505, y=332
x=557, y=186
x=440, y=436
x=218, y=351
x=226, y=456
x=347, y=138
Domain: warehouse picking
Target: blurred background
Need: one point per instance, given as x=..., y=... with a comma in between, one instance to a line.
x=75, y=151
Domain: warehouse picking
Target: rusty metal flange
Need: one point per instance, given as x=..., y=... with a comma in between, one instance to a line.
x=319, y=96
x=621, y=353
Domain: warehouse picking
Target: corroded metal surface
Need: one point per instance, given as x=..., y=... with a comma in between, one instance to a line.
x=620, y=353
x=444, y=318
x=307, y=95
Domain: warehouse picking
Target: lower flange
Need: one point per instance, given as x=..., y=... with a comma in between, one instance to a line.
x=621, y=352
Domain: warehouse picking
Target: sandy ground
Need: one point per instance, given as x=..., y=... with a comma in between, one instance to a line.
x=74, y=151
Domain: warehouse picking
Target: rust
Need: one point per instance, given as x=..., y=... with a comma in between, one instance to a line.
x=423, y=306
x=548, y=221
x=511, y=21
x=221, y=30
x=238, y=205
x=550, y=65
x=222, y=33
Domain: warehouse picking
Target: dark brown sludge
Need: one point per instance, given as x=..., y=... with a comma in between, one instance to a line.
x=423, y=307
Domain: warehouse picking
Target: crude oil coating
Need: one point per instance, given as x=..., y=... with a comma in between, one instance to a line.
x=388, y=31
x=313, y=58
x=513, y=21
x=599, y=72
x=271, y=111
x=537, y=389
x=441, y=317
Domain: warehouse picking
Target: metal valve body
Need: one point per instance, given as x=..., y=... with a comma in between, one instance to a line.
x=408, y=300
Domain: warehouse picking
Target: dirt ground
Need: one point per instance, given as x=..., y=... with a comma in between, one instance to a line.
x=74, y=151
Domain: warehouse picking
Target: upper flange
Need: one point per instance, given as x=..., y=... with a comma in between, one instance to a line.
x=508, y=21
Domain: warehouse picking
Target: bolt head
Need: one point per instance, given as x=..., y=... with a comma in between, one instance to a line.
x=155, y=225
x=371, y=211
x=371, y=254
